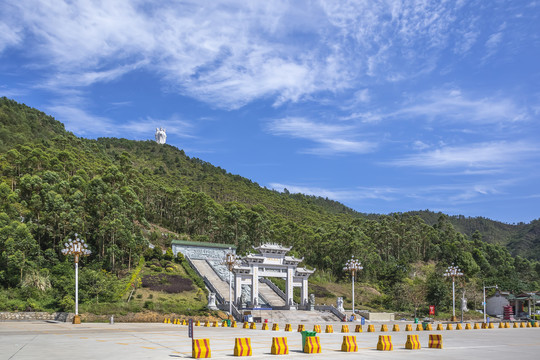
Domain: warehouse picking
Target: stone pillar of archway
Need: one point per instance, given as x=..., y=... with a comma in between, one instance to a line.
x=289, y=286
x=255, y=286
x=237, y=290
x=304, y=294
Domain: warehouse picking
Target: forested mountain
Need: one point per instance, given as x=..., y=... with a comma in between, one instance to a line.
x=120, y=195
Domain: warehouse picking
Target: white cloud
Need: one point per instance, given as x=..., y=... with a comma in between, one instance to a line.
x=230, y=53
x=490, y=155
x=83, y=123
x=331, y=138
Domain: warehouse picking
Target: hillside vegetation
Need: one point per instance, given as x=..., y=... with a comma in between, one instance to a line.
x=121, y=195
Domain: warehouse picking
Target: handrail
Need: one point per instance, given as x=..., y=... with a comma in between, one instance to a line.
x=274, y=287
x=332, y=309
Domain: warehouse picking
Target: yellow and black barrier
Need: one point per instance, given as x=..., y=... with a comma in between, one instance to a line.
x=412, y=342
x=523, y=324
x=184, y=322
x=385, y=343
x=242, y=347
x=435, y=341
x=288, y=327
x=468, y=326
x=246, y=325
x=408, y=327
x=200, y=348
x=502, y=325
x=233, y=324
x=371, y=328
x=535, y=324
x=349, y=344
x=429, y=327
x=301, y=328
x=207, y=324
x=344, y=328
x=279, y=346
x=253, y=326
x=312, y=345
x=358, y=329
x=440, y=327
x=329, y=329
x=275, y=327
x=459, y=326
x=215, y=324
x=419, y=327
x=384, y=328
x=395, y=327
x=449, y=327
x=198, y=323
x=224, y=323
x=516, y=325
x=476, y=326
x=264, y=326
x=317, y=328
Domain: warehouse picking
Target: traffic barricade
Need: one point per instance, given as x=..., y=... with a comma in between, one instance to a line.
x=449, y=327
x=440, y=327
x=242, y=347
x=233, y=324
x=313, y=345
x=288, y=327
x=344, y=328
x=371, y=328
x=246, y=325
x=435, y=341
x=427, y=327
x=395, y=327
x=207, y=324
x=349, y=344
x=459, y=326
x=412, y=342
x=408, y=327
x=384, y=328
x=468, y=326
x=224, y=323
x=215, y=324
x=200, y=348
x=419, y=327
x=329, y=329
x=476, y=326
x=253, y=326
x=197, y=323
x=305, y=335
x=317, y=328
x=279, y=346
x=264, y=326
x=358, y=329
x=301, y=328
x=275, y=327
x=385, y=343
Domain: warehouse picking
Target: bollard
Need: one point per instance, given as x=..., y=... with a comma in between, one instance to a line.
x=507, y=325
x=200, y=348
x=468, y=326
x=246, y=325
x=198, y=323
x=440, y=327
x=233, y=325
x=435, y=341
x=224, y=323
x=449, y=327
x=535, y=324
x=358, y=328
x=484, y=325
x=317, y=328
x=501, y=325
x=395, y=327
x=349, y=344
x=253, y=326
x=419, y=327
x=491, y=326
x=301, y=328
x=408, y=327
x=384, y=328
x=476, y=326
x=329, y=329
x=385, y=343
x=275, y=327
x=428, y=327
x=313, y=345
x=412, y=342
x=264, y=326
x=215, y=324
x=279, y=346
x=288, y=327
x=529, y=324
x=344, y=328
x=459, y=326
x=242, y=347
x=516, y=325
x=371, y=328
x=207, y=323
x=522, y=324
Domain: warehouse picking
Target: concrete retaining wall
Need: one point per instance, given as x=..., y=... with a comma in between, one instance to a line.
x=373, y=316
x=30, y=315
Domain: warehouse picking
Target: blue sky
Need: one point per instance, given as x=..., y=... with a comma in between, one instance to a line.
x=386, y=106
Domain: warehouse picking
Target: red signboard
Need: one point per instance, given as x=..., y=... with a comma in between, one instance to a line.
x=431, y=309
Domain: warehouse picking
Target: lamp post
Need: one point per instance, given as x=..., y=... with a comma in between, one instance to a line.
x=453, y=272
x=352, y=265
x=77, y=248
x=230, y=260
x=487, y=287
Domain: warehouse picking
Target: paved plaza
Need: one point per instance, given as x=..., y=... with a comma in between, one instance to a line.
x=44, y=340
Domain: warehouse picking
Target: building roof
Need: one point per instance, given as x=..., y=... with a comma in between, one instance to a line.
x=203, y=243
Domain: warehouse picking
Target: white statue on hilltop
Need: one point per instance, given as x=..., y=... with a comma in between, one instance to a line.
x=161, y=136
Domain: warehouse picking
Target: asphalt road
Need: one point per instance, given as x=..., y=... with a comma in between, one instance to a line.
x=43, y=340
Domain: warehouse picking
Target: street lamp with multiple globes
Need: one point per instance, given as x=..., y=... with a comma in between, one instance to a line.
x=453, y=272
x=352, y=265
x=231, y=260
x=77, y=248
